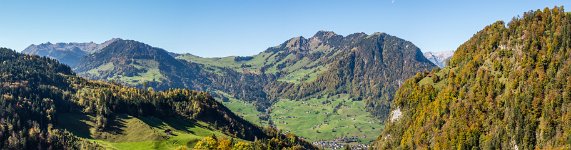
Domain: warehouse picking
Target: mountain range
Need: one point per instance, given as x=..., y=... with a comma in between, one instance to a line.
x=67, y=53
x=507, y=87
x=357, y=72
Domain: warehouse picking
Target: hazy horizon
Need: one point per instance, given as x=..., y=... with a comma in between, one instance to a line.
x=231, y=28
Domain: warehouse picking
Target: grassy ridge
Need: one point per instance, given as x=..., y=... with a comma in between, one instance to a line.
x=129, y=132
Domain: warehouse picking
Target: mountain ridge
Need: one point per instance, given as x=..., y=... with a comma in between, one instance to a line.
x=359, y=71
x=68, y=53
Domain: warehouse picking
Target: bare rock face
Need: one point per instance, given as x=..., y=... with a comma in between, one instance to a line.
x=67, y=53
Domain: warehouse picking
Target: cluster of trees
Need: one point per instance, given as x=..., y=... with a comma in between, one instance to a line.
x=35, y=90
x=212, y=142
x=505, y=88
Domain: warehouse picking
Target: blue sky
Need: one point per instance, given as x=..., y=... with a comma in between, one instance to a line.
x=245, y=27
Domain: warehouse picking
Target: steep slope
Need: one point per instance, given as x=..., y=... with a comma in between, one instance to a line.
x=505, y=88
x=67, y=53
x=44, y=105
x=439, y=58
x=369, y=68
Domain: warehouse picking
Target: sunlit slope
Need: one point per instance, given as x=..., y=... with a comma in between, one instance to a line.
x=508, y=87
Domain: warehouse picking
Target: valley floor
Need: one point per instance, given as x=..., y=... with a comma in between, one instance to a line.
x=317, y=119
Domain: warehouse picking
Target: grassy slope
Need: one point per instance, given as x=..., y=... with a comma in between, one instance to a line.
x=128, y=132
x=438, y=85
x=243, y=109
x=152, y=72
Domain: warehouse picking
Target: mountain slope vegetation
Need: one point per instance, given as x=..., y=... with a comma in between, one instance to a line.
x=507, y=87
x=46, y=106
x=367, y=67
x=353, y=72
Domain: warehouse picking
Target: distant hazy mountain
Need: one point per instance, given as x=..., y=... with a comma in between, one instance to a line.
x=439, y=58
x=67, y=53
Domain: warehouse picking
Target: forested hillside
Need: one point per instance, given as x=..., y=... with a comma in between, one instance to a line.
x=507, y=87
x=46, y=106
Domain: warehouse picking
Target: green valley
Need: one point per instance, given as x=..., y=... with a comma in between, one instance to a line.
x=346, y=82
x=285, y=75
x=327, y=118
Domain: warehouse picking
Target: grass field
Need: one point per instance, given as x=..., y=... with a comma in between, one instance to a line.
x=253, y=66
x=326, y=118
x=316, y=119
x=128, y=132
x=152, y=72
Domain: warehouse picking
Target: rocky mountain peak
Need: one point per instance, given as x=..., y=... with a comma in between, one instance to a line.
x=296, y=43
x=324, y=34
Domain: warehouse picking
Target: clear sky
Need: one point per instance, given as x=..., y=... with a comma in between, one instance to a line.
x=245, y=27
